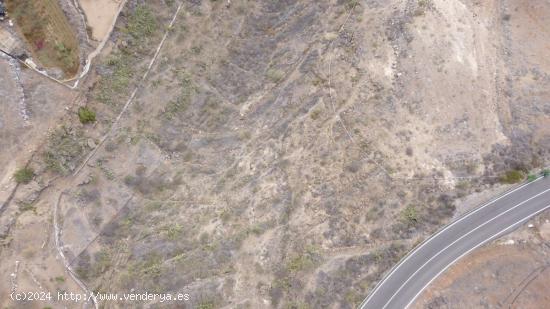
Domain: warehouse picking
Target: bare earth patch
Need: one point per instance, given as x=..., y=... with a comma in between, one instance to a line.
x=100, y=14
x=510, y=273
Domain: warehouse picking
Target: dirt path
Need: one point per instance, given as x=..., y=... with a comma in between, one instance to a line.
x=133, y=95
x=57, y=192
x=97, y=51
x=336, y=112
x=67, y=184
x=59, y=247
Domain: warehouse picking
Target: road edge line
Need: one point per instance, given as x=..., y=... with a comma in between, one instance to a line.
x=497, y=235
x=444, y=227
x=459, y=239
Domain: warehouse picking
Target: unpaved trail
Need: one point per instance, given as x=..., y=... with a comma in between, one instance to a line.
x=59, y=247
x=332, y=99
x=97, y=51
x=133, y=95
x=65, y=185
x=58, y=190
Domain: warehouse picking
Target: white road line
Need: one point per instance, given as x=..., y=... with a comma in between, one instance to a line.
x=435, y=235
x=498, y=234
x=457, y=240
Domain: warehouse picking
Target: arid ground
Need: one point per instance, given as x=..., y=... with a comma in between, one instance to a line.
x=272, y=154
x=100, y=15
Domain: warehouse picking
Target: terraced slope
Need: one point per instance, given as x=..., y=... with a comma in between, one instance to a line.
x=50, y=37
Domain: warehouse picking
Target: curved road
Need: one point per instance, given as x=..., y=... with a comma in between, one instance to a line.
x=419, y=268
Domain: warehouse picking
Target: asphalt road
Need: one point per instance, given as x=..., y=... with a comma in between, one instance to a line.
x=418, y=269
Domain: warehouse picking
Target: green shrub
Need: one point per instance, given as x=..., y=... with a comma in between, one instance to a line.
x=299, y=263
x=531, y=177
x=315, y=114
x=410, y=215
x=275, y=75
x=424, y=3
x=352, y=4
x=545, y=173
x=180, y=104
x=513, y=176
x=27, y=207
x=113, y=86
x=24, y=175
x=423, y=6
x=86, y=115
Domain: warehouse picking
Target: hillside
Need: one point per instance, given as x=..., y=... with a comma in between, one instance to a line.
x=273, y=154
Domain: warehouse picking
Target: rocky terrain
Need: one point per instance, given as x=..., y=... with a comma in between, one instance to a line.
x=266, y=154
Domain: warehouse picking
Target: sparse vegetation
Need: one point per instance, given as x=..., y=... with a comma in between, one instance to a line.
x=352, y=3
x=303, y=261
x=462, y=185
x=272, y=166
x=64, y=150
x=274, y=75
x=86, y=115
x=173, y=231
x=206, y=305
x=24, y=175
x=120, y=69
x=299, y=263
x=512, y=176
x=352, y=298
x=424, y=3
x=182, y=101
x=115, y=84
x=423, y=6
x=315, y=113
x=410, y=215
x=25, y=206
x=142, y=23
x=102, y=262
